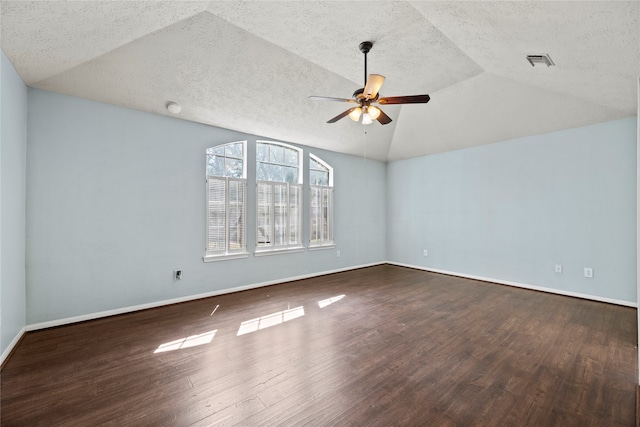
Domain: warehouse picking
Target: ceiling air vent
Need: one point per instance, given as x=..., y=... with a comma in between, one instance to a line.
x=540, y=60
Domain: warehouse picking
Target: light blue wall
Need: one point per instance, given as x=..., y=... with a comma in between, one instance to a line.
x=115, y=202
x=13, y=148
x=512, y=210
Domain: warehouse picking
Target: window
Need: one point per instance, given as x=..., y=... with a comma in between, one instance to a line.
x=226, y=201
x=279, y=196
x=321, y=201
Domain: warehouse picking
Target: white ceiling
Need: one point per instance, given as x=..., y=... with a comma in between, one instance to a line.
x=250, y=66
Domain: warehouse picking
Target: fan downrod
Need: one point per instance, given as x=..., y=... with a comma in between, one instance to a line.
x=365, y=47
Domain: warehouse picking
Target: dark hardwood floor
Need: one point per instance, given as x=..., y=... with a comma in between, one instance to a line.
x=391, y=346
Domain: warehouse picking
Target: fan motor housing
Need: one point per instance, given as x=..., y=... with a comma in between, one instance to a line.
x=358, y=95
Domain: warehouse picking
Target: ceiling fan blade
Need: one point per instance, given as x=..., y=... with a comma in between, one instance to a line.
x=341, y=115
x=374, y=82
x=410, y=99
x=328, y=98
x=383, y=119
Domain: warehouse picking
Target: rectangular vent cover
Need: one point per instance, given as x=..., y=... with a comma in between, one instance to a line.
x=540, y=60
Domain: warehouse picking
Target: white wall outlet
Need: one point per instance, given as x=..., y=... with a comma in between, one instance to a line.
x=177, y=274
x=588, y=272
x=338, y=253
x=425, y=252
x=558, y=268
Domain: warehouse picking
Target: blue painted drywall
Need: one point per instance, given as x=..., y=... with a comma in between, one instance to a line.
x=512, y=210
x=13, y=149
x=116, y=201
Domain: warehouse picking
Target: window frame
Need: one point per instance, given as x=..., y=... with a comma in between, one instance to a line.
x=227, y=252
x=287, y=246
x=326, y=193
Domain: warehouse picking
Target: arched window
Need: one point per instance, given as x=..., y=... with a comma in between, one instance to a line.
x=321, y=202
x=226, y=201
x=279, y=196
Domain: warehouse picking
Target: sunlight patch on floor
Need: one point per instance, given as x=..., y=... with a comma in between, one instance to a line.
x=269, y=320
x=329, y=301
x=186, y=342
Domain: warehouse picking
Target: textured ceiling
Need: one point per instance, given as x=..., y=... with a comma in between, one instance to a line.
x=250, y=66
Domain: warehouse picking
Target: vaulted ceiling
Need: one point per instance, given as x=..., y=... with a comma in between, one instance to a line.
x=250, y=66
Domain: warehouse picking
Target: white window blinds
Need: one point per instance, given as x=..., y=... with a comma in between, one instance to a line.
x=279, y=215
x=236, y=189
x=226, y=217
x=216, y=214
x=321, y=215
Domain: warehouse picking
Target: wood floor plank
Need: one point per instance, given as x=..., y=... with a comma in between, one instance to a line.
x=378, y=346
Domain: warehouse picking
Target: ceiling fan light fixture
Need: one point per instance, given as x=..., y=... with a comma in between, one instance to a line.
x=374, y=112
x=366, y=118
x=355, y=114
x=370, y=94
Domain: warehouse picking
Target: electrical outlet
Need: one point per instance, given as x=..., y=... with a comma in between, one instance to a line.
x=425, y=252
x=338, y=253
x=558, y=268
x=588, y=272
x=177, y=274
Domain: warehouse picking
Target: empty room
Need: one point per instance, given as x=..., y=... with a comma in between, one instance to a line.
x=323, y=213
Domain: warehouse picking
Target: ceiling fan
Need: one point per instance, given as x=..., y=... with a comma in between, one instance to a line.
x=369, y=95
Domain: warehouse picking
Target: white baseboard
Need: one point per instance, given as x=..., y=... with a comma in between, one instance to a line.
x=107, y=313
x=12, y=344
x=521, y=285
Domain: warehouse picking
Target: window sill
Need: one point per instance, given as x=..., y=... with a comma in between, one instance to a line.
x=321, y=247
x=264, y=252
x=224, y=257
